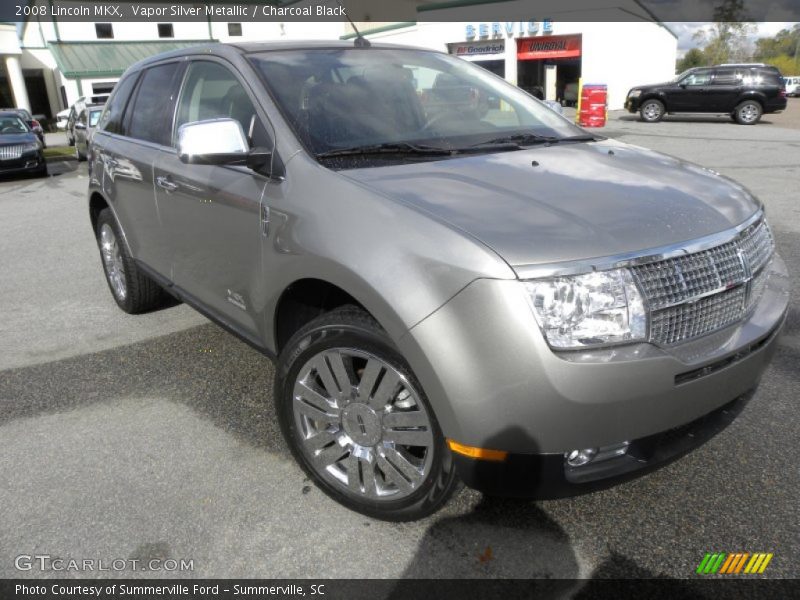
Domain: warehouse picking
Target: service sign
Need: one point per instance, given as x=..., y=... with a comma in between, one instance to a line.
x=508, y=29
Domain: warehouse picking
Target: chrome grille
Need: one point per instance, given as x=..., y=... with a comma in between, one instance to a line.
x=11, y=152
x=689, y=296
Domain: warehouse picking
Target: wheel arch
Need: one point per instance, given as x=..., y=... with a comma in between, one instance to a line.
x=96, y=205
x=660, y=96
x=314, y=294
x=752, y=95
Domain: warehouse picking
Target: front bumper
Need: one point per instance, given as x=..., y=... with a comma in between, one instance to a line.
x=27, y=163
x=494, y=383
x=547, y=476
x=632, y=104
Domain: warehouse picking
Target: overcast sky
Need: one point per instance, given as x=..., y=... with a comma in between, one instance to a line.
x=685, y=31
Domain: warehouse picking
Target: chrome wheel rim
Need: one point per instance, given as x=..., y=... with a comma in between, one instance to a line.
x=362, y=426
x=112, y=261
x=748, y=113
x=652, y=110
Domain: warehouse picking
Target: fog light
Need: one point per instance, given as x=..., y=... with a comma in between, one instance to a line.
x=578, y=458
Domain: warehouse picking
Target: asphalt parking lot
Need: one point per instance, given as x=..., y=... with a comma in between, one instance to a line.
x=154, y=436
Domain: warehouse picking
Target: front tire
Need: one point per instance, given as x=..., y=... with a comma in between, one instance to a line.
x=357, y=419
x=652, y=111
x=748, y=112
x=133, y=291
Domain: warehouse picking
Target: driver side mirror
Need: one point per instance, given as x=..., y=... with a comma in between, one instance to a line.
x=220, y=142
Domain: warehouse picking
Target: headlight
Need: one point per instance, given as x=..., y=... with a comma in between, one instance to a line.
x=588, y=310
x=634, y=93
x=30, y=147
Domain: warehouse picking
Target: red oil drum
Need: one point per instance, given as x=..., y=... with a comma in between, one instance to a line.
x=593, y=105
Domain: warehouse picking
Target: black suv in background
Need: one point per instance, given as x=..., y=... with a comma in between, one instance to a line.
x=745, y=92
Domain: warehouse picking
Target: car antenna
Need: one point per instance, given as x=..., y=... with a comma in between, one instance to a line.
x=360, y=41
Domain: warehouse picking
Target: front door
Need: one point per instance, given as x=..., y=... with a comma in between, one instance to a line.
x=211, y=214
x=690, y=93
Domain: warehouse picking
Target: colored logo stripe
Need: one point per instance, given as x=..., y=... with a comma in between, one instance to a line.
x=734, y=563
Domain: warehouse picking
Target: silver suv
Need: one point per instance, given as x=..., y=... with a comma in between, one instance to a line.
x=455, y=282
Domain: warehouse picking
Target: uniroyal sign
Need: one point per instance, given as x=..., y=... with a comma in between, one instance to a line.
x=554, y=46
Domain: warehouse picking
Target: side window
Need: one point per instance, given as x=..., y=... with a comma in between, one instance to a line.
x=111, y=120
x=752, y=77
x=151, y=112
x=702, y=77
x=726, y=77
x=212, y=92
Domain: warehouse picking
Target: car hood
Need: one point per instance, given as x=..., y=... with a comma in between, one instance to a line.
x=651, y=86
x=11, y=139
x=569, y=201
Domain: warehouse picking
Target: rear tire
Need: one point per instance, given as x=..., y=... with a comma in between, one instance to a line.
x=79, y=156
x=748, y=113
x=133, y=291
x=652, y=111
x=377, y=450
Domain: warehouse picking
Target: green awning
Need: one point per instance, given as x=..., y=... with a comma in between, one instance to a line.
x=108, y=59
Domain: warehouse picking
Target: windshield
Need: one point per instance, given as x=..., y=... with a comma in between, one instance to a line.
x=10, y=125
x=94, y=116
x=684, y=74
x=347, y=98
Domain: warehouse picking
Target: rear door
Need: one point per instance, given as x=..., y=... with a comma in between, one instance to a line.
x=142, y=135
x=724, y=90
x=108, y=166
x=212, y=214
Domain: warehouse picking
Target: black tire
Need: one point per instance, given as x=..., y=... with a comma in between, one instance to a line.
x=652, y=111
x=748, y=112
x=142, y=294
x=351, y=327
x=79, y=156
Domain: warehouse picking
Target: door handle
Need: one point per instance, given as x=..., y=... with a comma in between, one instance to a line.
x=166, y=184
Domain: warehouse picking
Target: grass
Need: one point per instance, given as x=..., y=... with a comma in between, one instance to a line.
x=59, y=151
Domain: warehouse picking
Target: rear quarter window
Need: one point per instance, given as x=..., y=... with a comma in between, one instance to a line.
x=112, y=117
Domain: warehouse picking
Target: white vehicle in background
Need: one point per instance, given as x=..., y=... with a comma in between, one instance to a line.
x=792, y=85
x=62, y=118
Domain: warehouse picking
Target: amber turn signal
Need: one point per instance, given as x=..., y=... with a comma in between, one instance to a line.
x=478, y=453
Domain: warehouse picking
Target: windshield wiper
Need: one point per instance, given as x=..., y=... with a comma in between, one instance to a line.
x=529, y=139
x=387, y=148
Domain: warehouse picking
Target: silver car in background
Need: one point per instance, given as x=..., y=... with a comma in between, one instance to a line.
x=83, y=129
x=454, y=281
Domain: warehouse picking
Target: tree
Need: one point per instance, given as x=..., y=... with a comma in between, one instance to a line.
x=693, y=58
x=784, y=43
x=782, y=50
x=727, y=39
